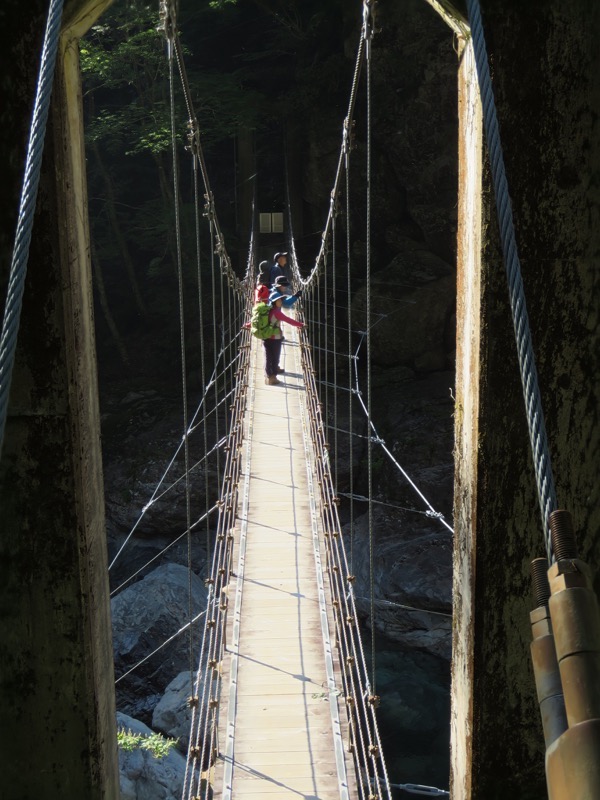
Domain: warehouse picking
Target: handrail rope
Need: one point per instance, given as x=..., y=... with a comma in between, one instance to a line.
x=212, y=643
x=27, y=204
x=210, y=638
x=356, y=650
x=219, y=577
x=204, y=517
x=343, y=639
x=352, y=647
x=529, y=378
x=221, y=567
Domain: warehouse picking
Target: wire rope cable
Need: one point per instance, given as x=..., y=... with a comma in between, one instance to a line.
x=529, y=378
x=368, y=34
x=180, y=285
x=25, y=219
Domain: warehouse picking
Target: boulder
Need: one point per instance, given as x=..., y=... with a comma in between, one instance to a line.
x=172, y=714
x=412, y=580
x=144, y=616
x=144, y=775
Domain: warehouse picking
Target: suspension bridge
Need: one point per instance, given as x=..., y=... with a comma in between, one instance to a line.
x=283, y=696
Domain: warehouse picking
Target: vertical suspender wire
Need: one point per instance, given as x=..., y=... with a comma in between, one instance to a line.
x=368, y=33
x=326, y=348
x=529, y=378
x=350, y=362
x=319, y=338
x=232, y=343
x=31, y=179
x=334, y=345
x=183, y=358
x=224, y=344
x=202, y=349
x=214, y=326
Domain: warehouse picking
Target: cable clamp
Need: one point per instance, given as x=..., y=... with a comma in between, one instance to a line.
x=368, y=19
x=193, y=137
x=346, y=137
x=167, y=16
x=209, y=206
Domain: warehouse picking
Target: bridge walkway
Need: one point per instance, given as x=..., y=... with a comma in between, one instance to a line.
x=280, y=734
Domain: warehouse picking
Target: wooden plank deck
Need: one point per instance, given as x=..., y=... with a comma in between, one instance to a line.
x=279, y=732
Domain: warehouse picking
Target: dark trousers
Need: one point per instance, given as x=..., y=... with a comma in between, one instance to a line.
x=272, y=354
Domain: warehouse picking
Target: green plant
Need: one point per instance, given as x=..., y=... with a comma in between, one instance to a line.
x=156, y=744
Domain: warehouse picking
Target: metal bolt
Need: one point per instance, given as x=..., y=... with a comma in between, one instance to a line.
x=539, y=576
x=563, y=538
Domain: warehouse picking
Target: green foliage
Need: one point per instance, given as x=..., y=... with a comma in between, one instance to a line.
x=157, y=745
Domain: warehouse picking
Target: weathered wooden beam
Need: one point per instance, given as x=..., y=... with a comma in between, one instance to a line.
x=57, y=703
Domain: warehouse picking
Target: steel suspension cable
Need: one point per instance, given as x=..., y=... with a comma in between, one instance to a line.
x=186, y=452
x=325, y=373
x=335, y=357
x=25, y=219
x=197, y=228
x=529, y=378
x=368, y=33
x=350, y=363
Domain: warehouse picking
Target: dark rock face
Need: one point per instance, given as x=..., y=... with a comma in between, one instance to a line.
x=412, y=304
x=142, y=775
x=172, y=716
x=412, y=581
x=144, y=616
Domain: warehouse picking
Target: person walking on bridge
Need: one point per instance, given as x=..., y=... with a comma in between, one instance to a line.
x=282, y=286
x=273, y=344
x=278, y=267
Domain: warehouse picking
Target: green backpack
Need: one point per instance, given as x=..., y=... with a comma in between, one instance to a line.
x=259, y=324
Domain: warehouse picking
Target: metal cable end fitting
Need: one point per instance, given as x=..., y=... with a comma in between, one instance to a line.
x=563, y=537
x=539, y=576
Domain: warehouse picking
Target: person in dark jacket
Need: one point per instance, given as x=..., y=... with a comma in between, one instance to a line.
x=278, y=268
